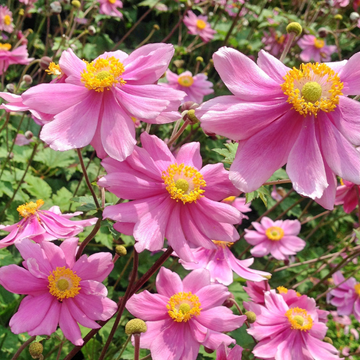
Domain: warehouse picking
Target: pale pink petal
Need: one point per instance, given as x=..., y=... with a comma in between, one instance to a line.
x=168, y=283
x=350, y=75
x=79, y=315
x=69, y=248
x=54, y=254
x=272, y=66
x=69, y=326
x=196, y=280
x=189, y=154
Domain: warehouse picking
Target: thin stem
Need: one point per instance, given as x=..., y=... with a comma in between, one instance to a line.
x=277, y=182
x=124, y=347
x=123, y=270
x=177, y=135
x=22, y=347
x=168, y=36
x=88, y=238
x=136, y=346
x=315, y=217
x=232, y=26
x=289, y=208
x=287, y=46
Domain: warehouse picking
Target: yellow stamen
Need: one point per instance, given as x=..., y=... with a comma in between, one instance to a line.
x=54, y=69
x=280, y=39
x=112, y=1
x=229, y=200
x=103, y=74
x=183, y=306
x=30, y=208
x=201, y=24
x=274, y=233
x=185, y=80
x=299, y=319
x=223, y=244
x=7, y=19
x=183, y=183
x=341, y=182
x=63, y=283
x=5, y=46
x=134, y=119
x=319, y=43
x=312, y=88
x=282, y=290
x=357, y=288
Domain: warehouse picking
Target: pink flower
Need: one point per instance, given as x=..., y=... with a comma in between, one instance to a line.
x=275, y=44
x=184, y=315
x=221, y=263
x=346, y=295
x=232, y=7
x=256, y=291
x=195, y=87
x=28, y=2
x=98, y=100
x=240, y=204
x=279, y=120
x=109, y=7
x=198, y=25
x=43, y=225
x=290, y=332
x=341, y=3
x=347, y=195
x=172, y=196
x=22, y=140
x=6, y=20
x=16, y=56
x=60, y=291
x=275, y=237
x=224, y=353
x=315, y=49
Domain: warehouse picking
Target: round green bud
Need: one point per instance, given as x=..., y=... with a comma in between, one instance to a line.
x=199, y=59
x=294, y=27
x=251, y=317
x=191, y=115
x=328, y=340
x=156, y=27
x=135, y=326
x=35, y=350
x=76, y=4
x=121, y=250
x=338, y=17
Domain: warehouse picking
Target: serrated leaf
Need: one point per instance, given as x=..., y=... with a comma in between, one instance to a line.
x=261, y=193
x=55, y=159
x=37, y=187
x=62, y=198
x=228, y=152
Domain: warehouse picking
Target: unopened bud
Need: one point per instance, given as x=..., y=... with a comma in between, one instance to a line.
x=199, y=59
x=76, y=3
x=294, y=27
x=192, y=117
x=135, y=326
x=156, y=27
x=207, y=350
x=338, y=17
x=21, y=12
x=229, y=303
x=354, y=16
x=91, y=30
x=27, y=79
x=45, y=62
x=322, y=32
x=55, y=7
x=268, y=277
x=10, y=88
x=11, y=155
x=121, y=250
x=251, y=317
x=187, y=105
x=28, y=135
x=35, y=350
x=179, y=63
x=328, y=340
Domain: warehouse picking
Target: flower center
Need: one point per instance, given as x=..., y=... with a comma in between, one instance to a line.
x=312, y=88
x=319, y=43
x=54, y=69
x=186, y=80
x=30, y=208
x=282, y=290
x=183, y=306
x=103, y=74
x=5, y=46
x=299, y=319
x=222, y=244
x=183, y=183
x=280, y=39
x=357, y=288
x=7, y=19
x=63, y=283
x=112, y=1
x=274, y=233
x=201, y=24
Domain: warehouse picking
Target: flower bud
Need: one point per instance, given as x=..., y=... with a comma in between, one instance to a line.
x=45, y=62
x=10, y=88
x=294, y=27
x=187, y=105
x=322, y=32
x=28, y=135
x=354, y=16
x=199, y=59
x=11, y=155
x=21, y=12
x=179, y=63
x=338, y=17
x=229, y=301
x=55, y=7
x=121, y=250
x=328, y=340
x=27, y=79
x=76, y=4
x=156, y=27
x=268, y=277
x=135, y=326
x=91, y=30
x=251, y=317
x=208, y=351
x=36, y=350
x=192, y=117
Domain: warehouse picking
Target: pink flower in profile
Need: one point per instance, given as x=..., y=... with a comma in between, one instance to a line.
x=16, y=56
x=195, y=87
x=277, y=238
x=240, y=204
x=22, y=140
x=346, y=295
x=98, y=100
x=290, y=332
x=60, y=291
x=198, y=25
x=109, y=7
x=6, y=20
x=171, y=196
x=43, y=225
x=279, y=119
x=221, y=263
x=224, y=353
x=274, y=43
x=184, y=315
x=257, y=290
x=347, y=195
x=315, y=49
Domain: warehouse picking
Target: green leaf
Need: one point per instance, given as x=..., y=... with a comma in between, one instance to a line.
x=228, y=152
x=55, y=159
x=87, y=203
x=261, y=193
x=38, y=188
x=62, y=198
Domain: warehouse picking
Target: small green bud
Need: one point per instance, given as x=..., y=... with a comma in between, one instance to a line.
x=294, y=27
x=21, y=12
x=199, y=59
x=121, y=250
x=338, y=17
x=135, y=326
x=328, y=340
x=36, y=350
x=251, y=317
x=268, y=277
x=76, y=3
x=191, y=115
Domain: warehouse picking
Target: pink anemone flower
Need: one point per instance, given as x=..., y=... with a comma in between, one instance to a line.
x=240, y=204
x=295, y=116
x=6, y=20
x=195, y=87
x=290, y=332
x=184, y=315
x=221, y=263
x=171, y=196
x=60, y=291
x=315, y=49
x=198, y=25
x=346, y=295
x=347, y=195
x=16, y=56
x=277, y=238
x=224, y=353
x=98, y=100
x=109, y=7
x=257, y=290
x=274, y=43
x=43, y=225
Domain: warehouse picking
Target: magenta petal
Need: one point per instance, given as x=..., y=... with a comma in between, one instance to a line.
x=272, y=66
x=350, y=75
x=69, y=326
x=54, y=254
x=72, y=66
x=196, y=280
x=69, y=248
x=79, y=315
x=189, y=154
x=212, y=295
x=168, y=283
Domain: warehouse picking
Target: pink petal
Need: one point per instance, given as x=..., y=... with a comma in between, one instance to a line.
x=350, y=75
x=69, y=248
x=168, y=283
x=212, y=295
x=54, y=254
x=196, y=280
x=79, y=315
x=189, y=154
x=272, y=66
x=69, y=326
